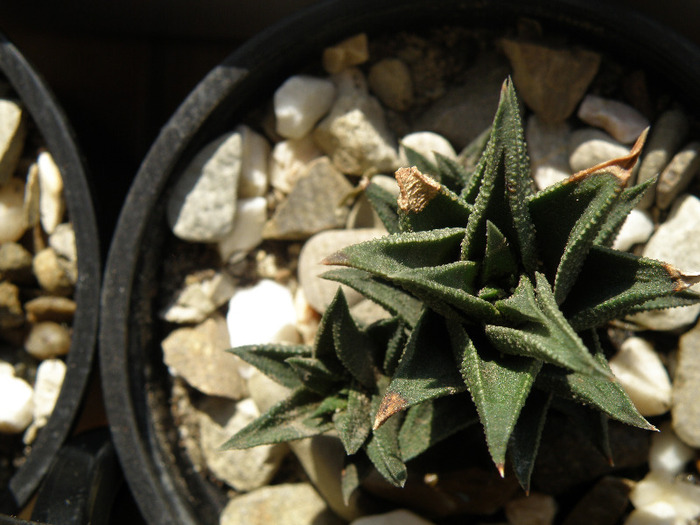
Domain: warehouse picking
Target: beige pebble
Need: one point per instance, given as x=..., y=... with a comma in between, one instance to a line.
x=350, y=52
x=50, y=273
x=12, y=221
x=48, y=339
x=51, y=203
x=50, y=308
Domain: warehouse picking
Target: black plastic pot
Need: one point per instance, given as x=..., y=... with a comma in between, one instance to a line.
x=52, y=123
x=135, y=380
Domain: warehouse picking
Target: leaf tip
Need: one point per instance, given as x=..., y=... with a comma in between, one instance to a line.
x=391, y=404
x=501, y=469
x=682, y=281
x=339, y=258
x=416, y=189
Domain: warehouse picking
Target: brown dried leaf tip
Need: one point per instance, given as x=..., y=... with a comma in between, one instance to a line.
x=683, y=280
x=392, y=403
x=416, y=189
x=621, y=167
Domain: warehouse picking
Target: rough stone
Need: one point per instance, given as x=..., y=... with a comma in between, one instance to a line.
x=548, y=150
x=320, y=292
x=263, y=313
x=395, y=517
x=604, y=504
x=12, y=220
x=427, y=144
x=589, y=147
x=676, y=242
x=11, y=314
x=637, y=228
x=52, y=205
x=62, y=240
x=678, y=175
x=668, y=453
x=390, y=79
x=620, y=121
x=32, y=197
x=15, y=263
x=48, y=339
x=50, y=308
x=299, y=104
x=350, y=52
x=17, y=404
x=314, y=204
x=255, y=152
x=202, y=205
x=199, y=298
x=296, y=503
x=13, y=131
x=251, y=215
x=199, y=356
x=535, y=509
x=663, y=496
x=685, y=412
x=288, y=162
x=355, y=134
x=665, y=138
x=50, y=375
x=551, y=80
x=246, y=469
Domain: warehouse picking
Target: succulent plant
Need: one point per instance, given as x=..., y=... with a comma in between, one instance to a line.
x=496, y=293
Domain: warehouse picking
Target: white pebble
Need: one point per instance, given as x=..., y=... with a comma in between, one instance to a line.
x=643, y=376
x=300, y=102
x=197, y=300
x=622, y=122
x=427, y=144
x=288, y=161
x=12, y=220
x=263, y=313
x=49, y=380
x=51, y=203
x=658, y=492
x=659, y=513
x=668, y=453
x=637, y=228
x=251, y=215
x=395, y=517
x=254, y=160
x=62, y=240
x=17, y=404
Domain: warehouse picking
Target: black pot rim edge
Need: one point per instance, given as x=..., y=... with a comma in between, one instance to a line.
x=60, y=141
x=144, y=472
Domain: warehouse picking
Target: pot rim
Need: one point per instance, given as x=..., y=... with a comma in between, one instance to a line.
x=224, y=92
x=60, y=140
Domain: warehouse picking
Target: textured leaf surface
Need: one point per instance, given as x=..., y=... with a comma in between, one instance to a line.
x=627, y=201
x=314, y=375
x=354, y=349
x=383, y=450
x=452, y=174
x=270, y=360
x=354, y=423
x=525, y=440
x=384, y=203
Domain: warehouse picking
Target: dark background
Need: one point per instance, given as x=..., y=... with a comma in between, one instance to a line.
x=120, y=68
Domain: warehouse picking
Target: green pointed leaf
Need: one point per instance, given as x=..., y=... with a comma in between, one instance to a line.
x=622, y=207
x=499, y=386
x=331, y=405
x=286, y=421
x=384, y=203
x=356, y=469
x=613, y=284
x=541, y=330
x=383, y=450
x=314, y=375
x=525, y=440
x=324, y=345
x=355, y=422
x=271, y=359
x=426, y=371
x=427, y=424
x=392, y=299
x=499, y=263
x=391, y=336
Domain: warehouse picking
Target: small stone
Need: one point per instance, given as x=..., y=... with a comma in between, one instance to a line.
x=47, y=340
x=678, y=175
x=676, y=242
x=589, y=147
x=620, y=121
x=299, y=104
x=395, y=517
x=387, y=183
x=50, y=308
x=51, y=273
x=320, y=292
x=11, y=314
x=363, y=215
x=548, y=151
x=604, y=504
x=390, y=80
x=668, y=453
x=685, y=412
x=199, y=298
x=198, y=355
x=17, y=404
x=314, y=204
x=15, y=263
x=636, y=229
x=251, y=215
x=293, y=503
x=246, y=469
x=660, y=492
x=263, y=313
x=13, y=131
x=32, y=197
x=659, y=513
x=62, y=240
x=255, y=152
x=665, y=138
x=202, y=205
x=12, y=220
x=641, y=373
x=352, y=51
x=289, y=161
x=52, y=205
x=535, y=509
x=355, y=134
x=264, y=391
x=427, y=144
x=47, y=386
x=550, y=80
